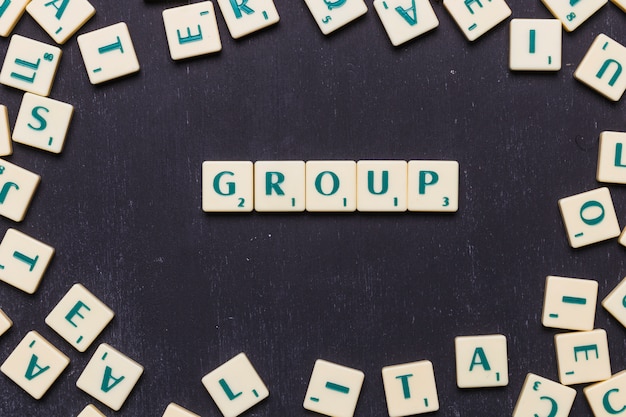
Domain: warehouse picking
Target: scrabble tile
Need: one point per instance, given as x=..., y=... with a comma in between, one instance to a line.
x=42, y=123
x=612, y=158
x=621, y=4
x=90, y=411
x=582, y=357
x=622, y=238
x=17, y=187
x=279, y=186
x=607, y=398
x=602, y=68
x=61, y=18
x=23, y=260
x=406, y=19
x=192, y=30
x=5, y=323
x=535, y=45
x=108, y=53
x=381, y=185
x=570, y=303
x=543, y=397
x=235, y=386
x=333, y=389
x=244, y=17
x=331, y=15
x=79, y=317
x=433, y=186
x=410, y=389
x=573, y=13
x=10, y=13
x=109, y=376
x=6, y=146
x=227, y=186
x=477, y=17
x=481, y=361
x=35, y=364
x=589, y=217
x=615, y=302
x=30, y=65
x=175, y=410
x=330, y=186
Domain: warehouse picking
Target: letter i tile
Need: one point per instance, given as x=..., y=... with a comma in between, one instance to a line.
x=331, y=15
x=10, y=13
x=333, y=389
x=541, y=396
x=175, y=410
x=582, y=357
x=410, y=389
x=608, y=398
x=5, y=323
x=244, y=17
x=570, y=303
x=23, y=260
x=61, y=18
x=481, y=361
x=602, y=67
x=90, y=411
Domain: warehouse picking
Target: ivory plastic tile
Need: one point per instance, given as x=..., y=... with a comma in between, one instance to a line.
x=410, y=389
x=244, y=17
x=481, y=361
x=622, y=238
x=331, y=15
x=227, y=186
x=570, y=303
x=330, y=186
x=406, y=19
x=615, y=302
x=61, y=18
x=535, y=45
x=90, y=411
x=17, y=187
x=381, y=185
x=612, y=158
x=582, y=357
x=43, y=123
x=602, y=67
x=10, y=13
x=108, y=53
x=333, y=389
x=433, y=186
x=477, y=17
x=23, y=260
x=5, y=323
x=35, y=364
x=30, y=65
x=573, y=13
x=589, y=217
x=6, y=146
x=192, y=30
x=607, y=398
x=621, y=4
x=235, y=386
x=279, y=186
x=175, y=410
x=543, y=397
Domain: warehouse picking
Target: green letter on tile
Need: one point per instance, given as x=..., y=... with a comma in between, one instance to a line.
x=482, y=360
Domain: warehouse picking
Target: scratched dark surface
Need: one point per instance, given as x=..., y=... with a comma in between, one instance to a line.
x=121, y=205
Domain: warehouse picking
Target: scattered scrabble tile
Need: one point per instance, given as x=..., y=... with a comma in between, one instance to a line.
x=622, y=238
x=235, y=386
x=61, y=18
x=23, y=260
x=381, y=185
x=175, y=410
x=90, y=411
x=5, y=323
x=573, y=13
x=30, y=65
x=43, y=123
x=602, y=67
x=333, y=389
x=10, y=13
x=17, y=187
x=570, y=303
x=246, y=17
x=402, y=23
x=615, y=302
x=611, y=158
x=541, y=396
x=433, y=186
x=108, y=53
x=192, y=30
x=481, y=361
x=582, y=357
x=278, y=186
x=621, y=4
x=6, y=146
x=227, y=186
x=34, y=365
x=477, y=17
x=410, y=389
x=79, y=317
x=330, y=186
x=535, y=45
x=331, y=15
x=589, y=217
x=606, y=398
x=109, y=376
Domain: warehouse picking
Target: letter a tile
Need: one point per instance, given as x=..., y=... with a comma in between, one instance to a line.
x=60, y=18
x=406, y=19
x=481, y=361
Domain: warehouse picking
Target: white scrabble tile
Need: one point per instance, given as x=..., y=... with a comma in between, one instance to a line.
x=331, y=15
x=570, y=303
x=330, y=186
x=23, y=260
x=17, y=187
x=582, y=357
x=61, y=18
x=543, y=397
x=6, y=146
x=410, y=389
x=333, y=389
x=5, y=322
x=91, y=411
x=433, y=186
x=108, y=53
x=535, y=45
x=175, y=410
x=79, y=317
x=406, y=19
x=622, y=238
x=612, y=158
x=227, y=186
x=607, y=398
x=381, y=185
x=589, y=217
x=481, y=361
x=30, y=65
x=615, y=302
x=602, y=67
x=235, y=386
x=573, y=13
x=279, y=186
x=43, y=123
x=192, y=30
x=10, y=13
x=621, y=4
x=246, y=17
x=35, y=364
x=477, y=17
